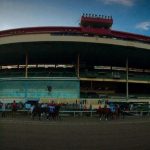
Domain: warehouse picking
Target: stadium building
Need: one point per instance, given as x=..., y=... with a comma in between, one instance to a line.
x=89, y=62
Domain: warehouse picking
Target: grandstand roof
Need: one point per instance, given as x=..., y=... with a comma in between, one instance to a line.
x=54, y=46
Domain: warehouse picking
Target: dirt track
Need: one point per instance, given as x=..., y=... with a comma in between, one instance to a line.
x=74, y=134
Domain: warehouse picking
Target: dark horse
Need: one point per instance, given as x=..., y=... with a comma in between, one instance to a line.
x=36, y=111
x=53, y=112
x=110, y=112
x=103, y=112
x=14, y=108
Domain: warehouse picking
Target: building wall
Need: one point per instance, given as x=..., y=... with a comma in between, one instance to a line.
x=37, y=89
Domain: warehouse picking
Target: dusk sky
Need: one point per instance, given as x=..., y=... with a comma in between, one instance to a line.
x=128, y=15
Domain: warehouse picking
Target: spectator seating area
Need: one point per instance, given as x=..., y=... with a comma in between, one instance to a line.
x=71, y=72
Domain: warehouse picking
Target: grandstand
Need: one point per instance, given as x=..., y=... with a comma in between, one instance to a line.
x=71, y=64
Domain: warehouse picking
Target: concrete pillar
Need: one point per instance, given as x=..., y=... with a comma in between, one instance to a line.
x=78, y=66
x=26, y=65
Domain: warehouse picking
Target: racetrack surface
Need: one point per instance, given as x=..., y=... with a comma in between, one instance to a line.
x=74, y=134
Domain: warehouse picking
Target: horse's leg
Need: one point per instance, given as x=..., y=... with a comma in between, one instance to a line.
x=39, y=114
x=106, y=114
x=121, y=114
x=2, y=114
x=58, y=116
x=12, y=113
x=100, y=115
x=113, y=115
x=117, y=114
x=33, y=115
x=53, y=115
x=49, y=116
x=103, y=113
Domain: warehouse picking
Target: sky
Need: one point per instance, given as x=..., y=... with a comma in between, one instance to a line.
x=128, y=15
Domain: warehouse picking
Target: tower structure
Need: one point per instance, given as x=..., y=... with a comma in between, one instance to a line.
x=96, y=21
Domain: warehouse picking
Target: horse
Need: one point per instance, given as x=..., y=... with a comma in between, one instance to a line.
x=36, y=111
x=53, y=112
x=104, y=112
x=121, y=112
x=44, y=110
x=117, y=111
x=50, y=111
x=111, y=111
x=14, y=108
x=100, y=112
x=56, y=114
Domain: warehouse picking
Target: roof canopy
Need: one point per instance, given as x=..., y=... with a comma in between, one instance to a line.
x=63, y=52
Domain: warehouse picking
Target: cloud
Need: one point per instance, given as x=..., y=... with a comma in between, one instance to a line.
x=120, y=2
x=143, y=25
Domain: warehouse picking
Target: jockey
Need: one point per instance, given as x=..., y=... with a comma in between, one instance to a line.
x=51, y=108
x=99, y=108
x=14, y=106
x=112, y=108
x=44, y=105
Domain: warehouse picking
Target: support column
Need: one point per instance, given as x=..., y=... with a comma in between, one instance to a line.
x=26, y=66
x=78, y=66
x=26, y=91
x=127, y=85
x=91, y=85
